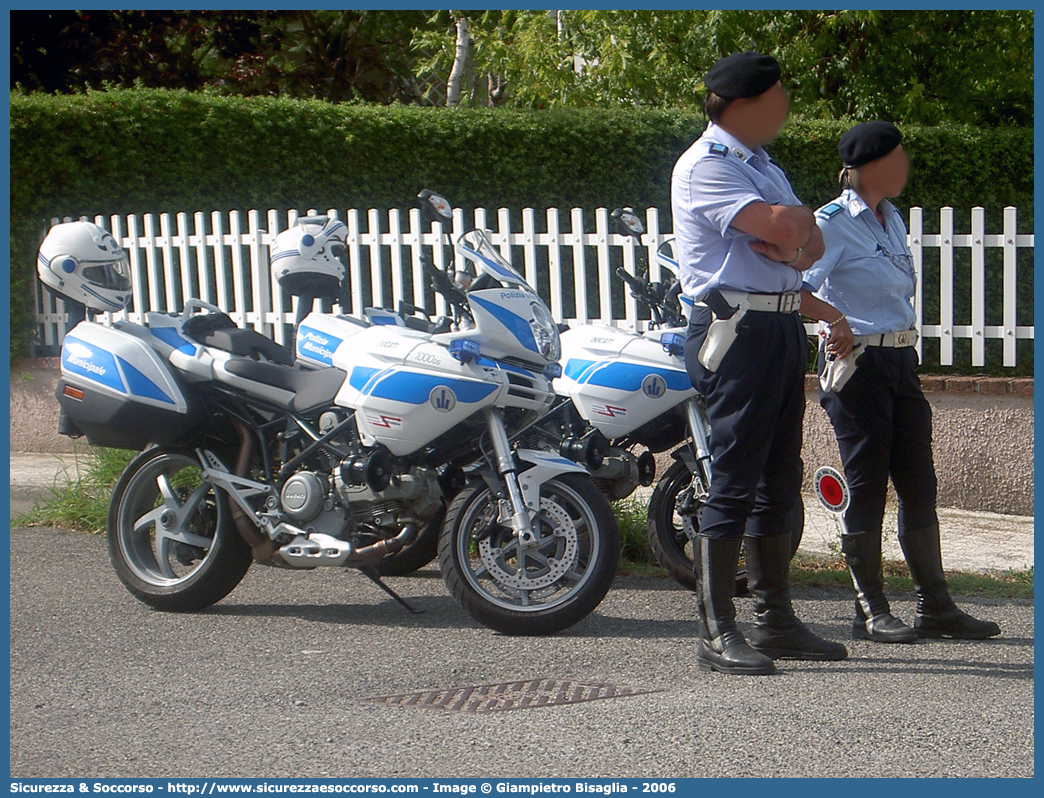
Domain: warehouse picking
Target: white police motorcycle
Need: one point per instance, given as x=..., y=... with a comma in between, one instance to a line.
x=249, y=456
x=630, y=390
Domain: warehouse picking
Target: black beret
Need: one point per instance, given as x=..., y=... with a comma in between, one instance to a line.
x=868, y=142
x=742, y=75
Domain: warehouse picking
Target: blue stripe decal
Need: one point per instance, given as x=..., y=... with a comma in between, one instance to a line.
x=560, y=461
x=624, y=376
x=140, y=385
x=575, y=369
x=413, y=388
x=170, y=337
x=92, y=362
x=360, y=376
x=290, y=253
x=518, y=326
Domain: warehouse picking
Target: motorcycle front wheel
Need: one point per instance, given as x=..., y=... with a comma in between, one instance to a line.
x=535, y=591
x=671, y=534
x=170, y=534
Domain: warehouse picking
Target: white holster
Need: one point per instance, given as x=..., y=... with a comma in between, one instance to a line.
x=720, y=335
x=837, y=372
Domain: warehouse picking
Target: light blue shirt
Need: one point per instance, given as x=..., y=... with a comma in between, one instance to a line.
x=867, y=270
x=714, y=180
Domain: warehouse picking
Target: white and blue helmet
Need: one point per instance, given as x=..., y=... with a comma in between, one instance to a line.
x=83, y=262
x=306, y=259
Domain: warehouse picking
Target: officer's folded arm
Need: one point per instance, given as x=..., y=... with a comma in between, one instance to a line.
x=787, y=227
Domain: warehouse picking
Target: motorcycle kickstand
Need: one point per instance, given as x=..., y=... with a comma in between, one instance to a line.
x=371, y=573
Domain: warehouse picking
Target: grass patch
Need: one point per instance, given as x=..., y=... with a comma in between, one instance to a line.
x=632, y=518
x=83, y=504
x=832, y=572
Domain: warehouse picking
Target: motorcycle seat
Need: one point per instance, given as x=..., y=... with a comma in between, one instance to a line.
x=313, y=390
x=220, y=332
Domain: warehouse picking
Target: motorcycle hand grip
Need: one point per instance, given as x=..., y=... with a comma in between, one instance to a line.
x=633, y=282
x=429, y=266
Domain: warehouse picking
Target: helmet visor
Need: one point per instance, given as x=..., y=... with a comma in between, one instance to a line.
x=114, y=275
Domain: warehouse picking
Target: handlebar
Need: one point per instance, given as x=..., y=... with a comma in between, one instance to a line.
x=657, y=300
x=441, y=282
x=635, y=284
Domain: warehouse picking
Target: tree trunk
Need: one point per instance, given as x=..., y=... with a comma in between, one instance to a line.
x=456, y=76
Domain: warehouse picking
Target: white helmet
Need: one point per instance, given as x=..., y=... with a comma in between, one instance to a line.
x=83, y=262
x=306, y=258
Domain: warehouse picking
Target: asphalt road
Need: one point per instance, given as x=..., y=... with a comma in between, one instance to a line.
x=268, y=684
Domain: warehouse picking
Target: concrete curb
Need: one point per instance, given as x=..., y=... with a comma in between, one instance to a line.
x=935, y=383
x=34, y=476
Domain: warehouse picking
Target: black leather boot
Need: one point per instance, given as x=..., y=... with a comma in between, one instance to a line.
x=937, y=615
x=721, y=645
x=777, y=631
x=873, y=616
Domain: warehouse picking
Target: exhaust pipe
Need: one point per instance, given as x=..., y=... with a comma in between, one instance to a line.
x=262, y=547
x=382, y=548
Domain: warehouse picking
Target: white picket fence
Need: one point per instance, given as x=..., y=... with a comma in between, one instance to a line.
x=218, y=259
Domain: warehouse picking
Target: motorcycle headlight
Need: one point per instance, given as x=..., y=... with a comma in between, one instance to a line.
x=545, y=333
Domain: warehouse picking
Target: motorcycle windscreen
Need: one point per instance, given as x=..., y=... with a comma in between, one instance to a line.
x=476, y=247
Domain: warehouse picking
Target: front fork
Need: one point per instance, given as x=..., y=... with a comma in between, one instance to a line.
x=508, y=470
x=700, y=466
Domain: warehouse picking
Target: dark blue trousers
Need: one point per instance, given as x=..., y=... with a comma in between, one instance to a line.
x=756, y=406
x=883, y=426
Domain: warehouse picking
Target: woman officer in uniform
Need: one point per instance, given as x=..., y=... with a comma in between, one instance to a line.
x=872, y=394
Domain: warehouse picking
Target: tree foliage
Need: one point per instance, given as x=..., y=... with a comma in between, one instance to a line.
x=331, y=55
x=923, y=67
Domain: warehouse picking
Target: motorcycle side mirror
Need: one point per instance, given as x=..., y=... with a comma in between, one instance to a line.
x=627, y=222
x=435, y=208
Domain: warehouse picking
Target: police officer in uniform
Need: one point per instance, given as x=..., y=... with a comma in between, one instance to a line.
x=743, y=239
x=872, y=394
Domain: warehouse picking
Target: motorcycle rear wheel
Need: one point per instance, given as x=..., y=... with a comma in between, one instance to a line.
x=170, y=534
x=669, y=532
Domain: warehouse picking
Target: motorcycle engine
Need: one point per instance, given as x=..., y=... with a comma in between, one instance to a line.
x=309, y=502
x=303, y=495
x=324, y=502
x=622, y=472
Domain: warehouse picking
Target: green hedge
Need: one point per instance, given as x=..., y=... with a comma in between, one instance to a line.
x=146, y=150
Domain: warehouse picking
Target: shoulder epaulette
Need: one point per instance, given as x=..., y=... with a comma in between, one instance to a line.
x=827, y=211
x=718, y=149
